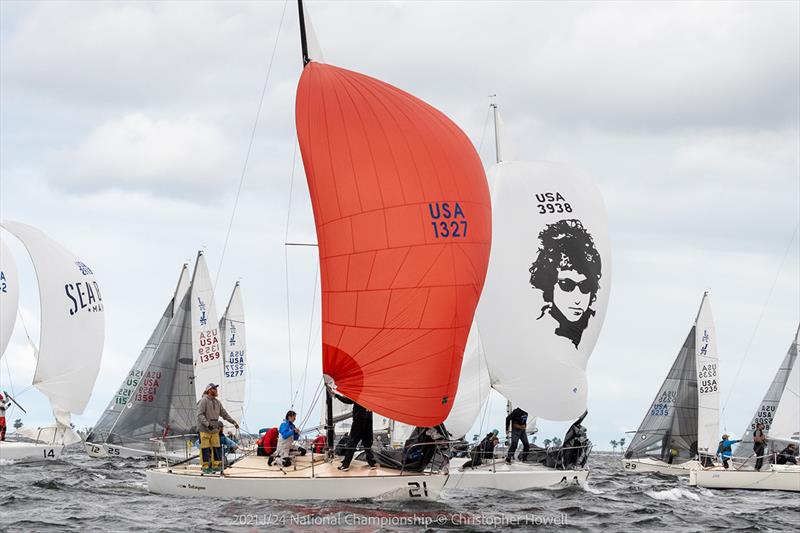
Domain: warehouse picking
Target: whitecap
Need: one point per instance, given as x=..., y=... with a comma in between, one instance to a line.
x=672, y=494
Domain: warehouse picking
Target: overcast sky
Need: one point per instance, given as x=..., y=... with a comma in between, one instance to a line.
x=124, y=129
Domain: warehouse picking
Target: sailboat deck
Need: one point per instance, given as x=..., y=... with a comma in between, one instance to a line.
x=256, y=467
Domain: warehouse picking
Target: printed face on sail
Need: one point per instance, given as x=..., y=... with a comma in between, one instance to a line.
x=571, y=294
x=567, y=270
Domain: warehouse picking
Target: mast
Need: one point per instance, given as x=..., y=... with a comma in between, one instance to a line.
x=303, y=40
x=330, y=434
x=497, y=152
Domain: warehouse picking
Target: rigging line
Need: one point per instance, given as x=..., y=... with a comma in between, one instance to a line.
x=308, y=348
x=760, y=317
x=250, y=144
x=28, y=335
x=483, y=134
x=286, y=271
x=320, y=388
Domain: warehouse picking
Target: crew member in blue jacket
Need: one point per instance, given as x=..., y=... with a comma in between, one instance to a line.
x=288, y=433
x=725, y=449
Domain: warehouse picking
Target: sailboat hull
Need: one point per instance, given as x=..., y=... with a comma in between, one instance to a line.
x=513, y=477
x=29, y=451
x=778, y=477
x=251, y=478
x=648, y=465
x=95, y=450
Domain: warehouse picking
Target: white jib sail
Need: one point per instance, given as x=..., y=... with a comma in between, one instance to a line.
x=232, y=329
x=707, y=367
x=206, y=345
x=9, y=296
x=473, y=387
x=72, y=325
x=547, y=287
x=786, y=424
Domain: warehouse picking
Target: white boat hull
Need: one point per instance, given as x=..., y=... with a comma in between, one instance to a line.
x=649, y=465
x=513, y=477
x=251, y=478
x=95, y=450
x=777, y=477
x=29, y=451
x=122, y=452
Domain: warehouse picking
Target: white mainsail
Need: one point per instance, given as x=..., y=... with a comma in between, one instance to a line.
x=706, y=365
x=138, y=384
x=547, y=287
x=473, y=387
x=72, y=325
x=9, y=295
x=232, y=332
x=786, y=424
x=206, y=346
x=769, y=404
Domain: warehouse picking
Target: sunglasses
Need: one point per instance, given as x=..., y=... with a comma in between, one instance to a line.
x=568, y=285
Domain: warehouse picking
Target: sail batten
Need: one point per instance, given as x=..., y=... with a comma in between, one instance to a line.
x=403, y=220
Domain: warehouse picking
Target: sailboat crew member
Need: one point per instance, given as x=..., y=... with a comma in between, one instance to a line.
x=787, y=455
x=759, y=445
x=518, y=422
x=725, y=449
x=287, y=434
x=3, y=406
x=360, y=431
x=209, y=410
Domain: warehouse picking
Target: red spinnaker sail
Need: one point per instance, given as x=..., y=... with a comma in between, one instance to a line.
x=403, y=220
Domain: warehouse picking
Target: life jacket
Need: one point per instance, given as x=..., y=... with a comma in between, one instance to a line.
x=269, y=442
x=318, y=444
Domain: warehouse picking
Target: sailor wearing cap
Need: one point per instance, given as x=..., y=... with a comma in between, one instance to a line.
x=209, y=410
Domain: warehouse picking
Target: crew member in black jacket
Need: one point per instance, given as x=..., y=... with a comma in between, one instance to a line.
x=361, y=431
x=518, y=422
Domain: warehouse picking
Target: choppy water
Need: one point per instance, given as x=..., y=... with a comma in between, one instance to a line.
x=82, y=494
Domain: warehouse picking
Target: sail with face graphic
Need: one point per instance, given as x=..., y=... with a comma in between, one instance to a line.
x=72, y=326
x=403, y=220
x=9, y=295
x=547, y=287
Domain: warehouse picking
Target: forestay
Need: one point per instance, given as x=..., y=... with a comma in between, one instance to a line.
x=768, y=406
x=403, y=220
x=72, y=325
x=9, y=295
x=140, y=371
x=234, y=343
x=206, y=346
